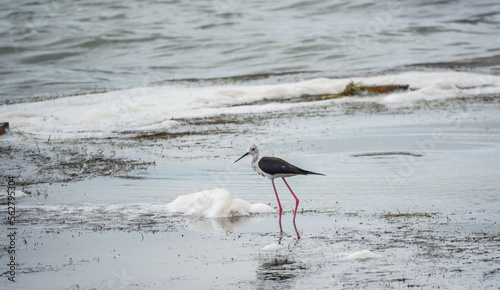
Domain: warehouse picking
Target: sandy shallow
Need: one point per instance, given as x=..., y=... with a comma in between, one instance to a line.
x=416, y=187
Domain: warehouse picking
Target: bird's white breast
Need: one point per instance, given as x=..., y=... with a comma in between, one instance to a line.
x=255, y=162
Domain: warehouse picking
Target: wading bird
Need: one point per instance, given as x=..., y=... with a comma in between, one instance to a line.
x=272, y=167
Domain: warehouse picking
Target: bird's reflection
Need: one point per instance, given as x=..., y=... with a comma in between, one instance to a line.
x=281, y=233
x=280, y=266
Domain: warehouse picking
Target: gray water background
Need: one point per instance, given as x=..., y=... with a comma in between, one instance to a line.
x=54, y=48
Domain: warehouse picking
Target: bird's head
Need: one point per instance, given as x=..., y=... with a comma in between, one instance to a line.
x=252, y=150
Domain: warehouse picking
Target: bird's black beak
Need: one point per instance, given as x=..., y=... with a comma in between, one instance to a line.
x=242, y=157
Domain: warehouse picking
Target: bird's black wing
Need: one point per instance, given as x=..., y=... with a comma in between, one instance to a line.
x=273, y=165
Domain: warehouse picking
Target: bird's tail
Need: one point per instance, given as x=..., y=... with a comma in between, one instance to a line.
x=312, y=173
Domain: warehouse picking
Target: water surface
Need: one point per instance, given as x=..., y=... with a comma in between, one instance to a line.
x=60, y=47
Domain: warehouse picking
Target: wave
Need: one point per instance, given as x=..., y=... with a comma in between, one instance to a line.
x=160, y=108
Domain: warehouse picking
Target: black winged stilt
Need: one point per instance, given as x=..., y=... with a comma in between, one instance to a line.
x=272, y=167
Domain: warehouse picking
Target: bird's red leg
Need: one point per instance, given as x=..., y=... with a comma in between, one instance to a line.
x=296, y=231
x=296, y=200
x=279, y=203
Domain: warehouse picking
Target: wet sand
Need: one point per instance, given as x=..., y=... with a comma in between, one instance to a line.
x=417, y=187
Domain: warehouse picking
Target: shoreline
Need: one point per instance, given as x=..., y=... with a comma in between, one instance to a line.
x=489, y=65
x=413, y=185
x=67, y=160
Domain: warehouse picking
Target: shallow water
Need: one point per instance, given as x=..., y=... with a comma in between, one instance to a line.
x=414, y=252
x=415, y=185
x=58, y=47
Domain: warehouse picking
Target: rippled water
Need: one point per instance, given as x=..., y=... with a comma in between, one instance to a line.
x=57, y=47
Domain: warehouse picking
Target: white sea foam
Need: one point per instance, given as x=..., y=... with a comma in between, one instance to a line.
x=365, y=254
x=157, y=108
x=215, y=203
x=272, y=247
